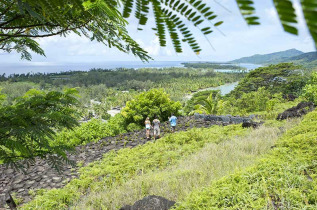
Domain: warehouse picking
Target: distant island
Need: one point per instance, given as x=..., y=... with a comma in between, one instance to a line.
x=308, y=59
x=213, y=65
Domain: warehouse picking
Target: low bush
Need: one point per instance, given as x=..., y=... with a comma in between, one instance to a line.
x=310, y=90
x=90, y=131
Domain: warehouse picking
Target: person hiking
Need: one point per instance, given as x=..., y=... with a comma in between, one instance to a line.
x=156, y=126
x=147, y=127
x=173, y=121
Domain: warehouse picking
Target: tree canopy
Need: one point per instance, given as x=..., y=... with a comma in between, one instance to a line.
x=28, y=128
x=23, y=21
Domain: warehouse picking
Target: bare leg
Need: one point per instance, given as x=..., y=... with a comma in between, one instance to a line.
x=147, y=133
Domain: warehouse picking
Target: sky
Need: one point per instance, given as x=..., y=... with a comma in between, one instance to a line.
x=232, y=40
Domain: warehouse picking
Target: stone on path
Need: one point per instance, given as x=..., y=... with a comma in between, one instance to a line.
x=151, y=202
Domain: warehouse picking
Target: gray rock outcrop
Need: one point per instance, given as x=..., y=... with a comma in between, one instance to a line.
x=297, y=111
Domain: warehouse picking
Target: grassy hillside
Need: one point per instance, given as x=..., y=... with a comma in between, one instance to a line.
x=117, y=167
x=173, y=167
x=176, y=182
x=285, y=179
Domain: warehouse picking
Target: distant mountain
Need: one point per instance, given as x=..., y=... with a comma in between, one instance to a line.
x=306, y=59
x=276, y=57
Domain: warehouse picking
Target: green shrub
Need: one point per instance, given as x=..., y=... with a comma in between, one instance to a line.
x=256, y=101
x=90, y=131
x=310, y=90
x=150, y=103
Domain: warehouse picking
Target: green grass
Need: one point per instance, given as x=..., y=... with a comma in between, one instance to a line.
x=285, y=179
x=278, y=108
x=117, y=167
x=213, y=161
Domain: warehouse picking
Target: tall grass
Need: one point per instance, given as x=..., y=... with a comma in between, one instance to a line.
x=213, y=161
x=286, y=178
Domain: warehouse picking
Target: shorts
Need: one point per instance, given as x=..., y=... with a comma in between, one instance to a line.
x=173, y=127
x=156, y=131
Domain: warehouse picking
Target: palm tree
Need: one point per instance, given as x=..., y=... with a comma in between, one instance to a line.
x=209, y=105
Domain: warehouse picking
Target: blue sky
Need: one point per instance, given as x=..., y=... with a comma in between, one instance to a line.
x=238, y=40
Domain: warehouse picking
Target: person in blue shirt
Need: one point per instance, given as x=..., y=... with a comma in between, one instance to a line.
x=173, y=121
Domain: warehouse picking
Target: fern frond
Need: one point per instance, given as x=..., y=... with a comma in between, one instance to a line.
x=310, y=13
x=287, y=15
x=247, y=11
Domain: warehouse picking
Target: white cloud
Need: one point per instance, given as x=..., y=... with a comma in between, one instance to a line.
x=153, y=48
x=271, y=14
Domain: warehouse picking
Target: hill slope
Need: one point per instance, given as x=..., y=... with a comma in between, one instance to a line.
x=307, y=59
x=276, y=57
x=284, y=179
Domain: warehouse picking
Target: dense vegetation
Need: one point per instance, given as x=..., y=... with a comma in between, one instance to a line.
x=114, y=88
x=283, y=78
x=265, y=89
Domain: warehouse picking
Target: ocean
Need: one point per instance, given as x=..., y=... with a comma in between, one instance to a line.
x=42, y=67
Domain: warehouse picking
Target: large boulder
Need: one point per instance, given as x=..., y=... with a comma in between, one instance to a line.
x=297, y=111
x=151, y=202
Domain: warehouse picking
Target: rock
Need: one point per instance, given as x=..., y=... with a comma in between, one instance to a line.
x=56, y=179
x=248, y=124
x=30, y=182
x=289, y=97
x=21, y=190
x=151, y=202
x=297, y=111
x=8, y=171
x=40, y=168
x=18, y=179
